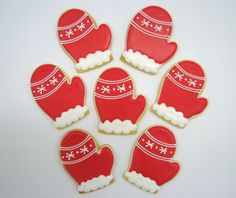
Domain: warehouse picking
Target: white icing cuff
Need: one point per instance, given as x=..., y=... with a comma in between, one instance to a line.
x=95, y=183
x=70, y=116
x=170, y=114
x=142, y=182
x=117, y=126
x=141, y=61
x=92, y=60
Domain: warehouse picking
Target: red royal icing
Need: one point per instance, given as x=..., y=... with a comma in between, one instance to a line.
x=149, y=32
x=82, y=159
x=52, y=91
x=152, y=155
x=182, y=87
x=114, y=97
x=79, y=35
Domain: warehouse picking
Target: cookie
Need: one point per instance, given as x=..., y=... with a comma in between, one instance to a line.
x=152, y=164
x=179, y=98
x=87, y=44
x=88, y=164
x=147, y=45
x=118, y=107
x=62, y=99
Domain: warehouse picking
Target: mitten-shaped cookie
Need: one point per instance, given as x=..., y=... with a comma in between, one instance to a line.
x=179, y=98
x=61, y=99
x=88, y=45
x=152, y=164
x=118, y=107
x=89, y=165
x=147, y=40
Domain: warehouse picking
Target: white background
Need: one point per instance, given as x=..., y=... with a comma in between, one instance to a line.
x=29, y=162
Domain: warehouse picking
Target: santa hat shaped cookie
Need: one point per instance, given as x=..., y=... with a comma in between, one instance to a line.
x=89, y=165
x=63, y=100
x=179, y=98
x=147, y=44
x=87, y=44
x=152, y=164
x=118, y=107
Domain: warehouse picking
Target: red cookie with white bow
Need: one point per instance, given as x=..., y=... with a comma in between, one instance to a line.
x=87, y=44
x=152, y=164
x=147, y=46
x=180, y=94
x=62, y=99
x=88, y=164
x=118, y=107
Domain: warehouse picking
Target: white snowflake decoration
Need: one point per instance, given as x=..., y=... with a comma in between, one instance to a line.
x=69, y=33
x=41, y=89
x=53, y=81
x=192, y=82
x=149, y=144
x=145, y=23
x=158, y=28
x=105, y=89
x=179, y=76
x=81, y=26
x=70, y=155
x=121, y=88
x=163, y=150
x=84, y=150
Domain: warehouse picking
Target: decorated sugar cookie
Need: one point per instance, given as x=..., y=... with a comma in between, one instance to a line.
x=147, y=44
x=88, y=164
x=63, y=100
x=118, y=107
x=87, y=44
x=152, y=164
x=179, y=98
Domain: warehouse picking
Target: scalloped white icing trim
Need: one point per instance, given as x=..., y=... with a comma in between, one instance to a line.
x=170, y=114
x=142, y=182
x=92, y=60
x=70, y=116
x=141, y=61
x=117, y=126
x=95, y=183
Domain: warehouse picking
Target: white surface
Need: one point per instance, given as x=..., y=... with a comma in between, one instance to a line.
x=29, y=164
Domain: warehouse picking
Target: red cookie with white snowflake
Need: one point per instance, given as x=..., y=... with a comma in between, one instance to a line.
x=62, y=99
x=118, y=107
x=179, y=98
x=88, y=164
x=147, y=46
x=152, y=164
x=87, y=44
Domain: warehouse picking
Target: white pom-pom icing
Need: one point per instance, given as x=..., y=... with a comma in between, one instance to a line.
x=141, y=61
x=117, y=126
x=92, y=60
x=142, y=182
x=70, y=116
x=170, y=114
x=95, y=183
